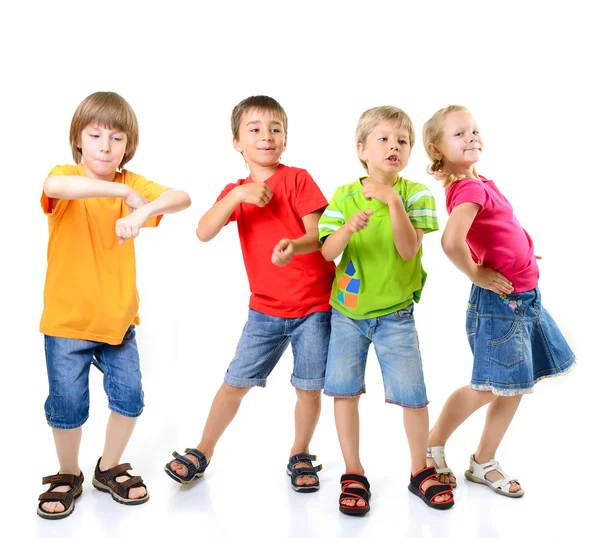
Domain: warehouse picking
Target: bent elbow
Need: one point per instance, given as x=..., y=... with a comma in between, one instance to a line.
x=203, y=234
x=51, y=187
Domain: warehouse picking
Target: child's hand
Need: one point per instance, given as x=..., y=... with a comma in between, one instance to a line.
x=359, y=220
x=130, y=225
x=378, y=191
x=134, y=200
x=283, y=252
x=492, y=280
x=258, y=194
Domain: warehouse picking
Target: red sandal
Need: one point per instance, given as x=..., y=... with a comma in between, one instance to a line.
x=428, y=495
x=354, y=493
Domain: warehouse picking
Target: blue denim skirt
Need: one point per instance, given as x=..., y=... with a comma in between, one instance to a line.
x=515, y=342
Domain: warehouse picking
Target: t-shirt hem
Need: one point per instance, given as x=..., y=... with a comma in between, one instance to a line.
x=369, y=315
x=324, y=307
x=80, y=335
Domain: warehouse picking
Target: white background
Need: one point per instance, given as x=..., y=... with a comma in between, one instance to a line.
x=525, y=69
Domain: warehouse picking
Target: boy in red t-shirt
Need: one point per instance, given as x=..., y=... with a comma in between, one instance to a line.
x=277, y=209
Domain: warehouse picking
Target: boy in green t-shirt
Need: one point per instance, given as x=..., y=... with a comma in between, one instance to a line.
x=377, y=223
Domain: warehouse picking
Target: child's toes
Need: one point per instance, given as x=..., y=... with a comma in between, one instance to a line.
x=514, y=487
x=137, y=493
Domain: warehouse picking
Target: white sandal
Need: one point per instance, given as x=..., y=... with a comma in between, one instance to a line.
x=501, y=486
x=438, y=455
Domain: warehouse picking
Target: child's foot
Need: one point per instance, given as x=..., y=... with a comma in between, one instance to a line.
x=356, y=492
x=493, y=476
x=57, y=507
x=437, y=458
x=133, y=490
x=305, y=479
x=441, y=498
x=351, y=503
x=185, y=468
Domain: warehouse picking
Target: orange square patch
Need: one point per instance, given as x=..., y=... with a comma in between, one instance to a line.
x=350, y=300
x=343, y=282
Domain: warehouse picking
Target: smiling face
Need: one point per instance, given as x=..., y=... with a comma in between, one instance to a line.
x=386, y=149
x=261, y=138
x=102, y=151
x=460, y=143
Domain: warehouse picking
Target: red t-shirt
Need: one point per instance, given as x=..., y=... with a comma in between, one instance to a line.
x=302, y=286
x=496, y=238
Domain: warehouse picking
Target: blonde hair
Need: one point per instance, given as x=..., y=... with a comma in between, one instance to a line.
x=431, y=133
x=258, y=102
x=381, y=114
x=109, y=110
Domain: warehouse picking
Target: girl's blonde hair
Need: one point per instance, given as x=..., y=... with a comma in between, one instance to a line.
x=108, y=110
x=382, y=114
x=431, y=133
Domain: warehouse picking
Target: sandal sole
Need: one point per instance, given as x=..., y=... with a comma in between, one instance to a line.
x=105, y=489
x=354, y=511
x=59, y=515
x=435, y=506
x=516, y=495
x=172, y=474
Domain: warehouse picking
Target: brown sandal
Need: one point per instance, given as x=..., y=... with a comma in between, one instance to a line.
x=66, y=498
x=106, y=481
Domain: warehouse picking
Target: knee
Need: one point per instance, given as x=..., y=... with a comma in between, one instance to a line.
x=234, y=393
x=308, y=396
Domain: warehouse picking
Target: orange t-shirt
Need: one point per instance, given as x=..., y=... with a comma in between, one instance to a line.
x=90, y=291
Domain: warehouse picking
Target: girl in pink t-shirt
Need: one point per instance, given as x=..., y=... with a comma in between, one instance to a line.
x=515, y=341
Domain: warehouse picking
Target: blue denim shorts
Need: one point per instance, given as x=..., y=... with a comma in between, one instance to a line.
x=264, y=340
x=68, y=361
x=397, y=347
x=515, y=342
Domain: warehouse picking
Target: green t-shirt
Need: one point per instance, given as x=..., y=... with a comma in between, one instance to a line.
x=372, y=279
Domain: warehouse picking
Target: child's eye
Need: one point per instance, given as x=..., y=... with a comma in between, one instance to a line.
x=402, y=142
x=275, y=130
x=117, y=138
x=94, y=135
x=458, y=134
x=476, y=132
x=255, y=130
x=383, y=139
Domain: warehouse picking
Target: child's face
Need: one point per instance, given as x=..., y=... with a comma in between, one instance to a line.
x=261, y=138
x=102, y=150
x=386, y=149
x=460, y=142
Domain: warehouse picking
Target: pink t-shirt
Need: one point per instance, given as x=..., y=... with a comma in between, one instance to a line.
x=303, y=286
x=496, y=239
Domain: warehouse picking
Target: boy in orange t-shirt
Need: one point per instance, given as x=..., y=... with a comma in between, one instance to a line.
x=90, y=296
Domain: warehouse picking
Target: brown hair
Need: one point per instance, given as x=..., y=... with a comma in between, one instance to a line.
x=431, y=133
x=109, y=110
x=260, y=102
x=375, y=116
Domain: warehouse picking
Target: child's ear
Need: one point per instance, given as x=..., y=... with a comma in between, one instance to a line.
x=360, y=149
x=236, y=145
x=434, y=151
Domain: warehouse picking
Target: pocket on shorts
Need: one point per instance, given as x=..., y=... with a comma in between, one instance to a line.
x=506, y=341
x=405, y=313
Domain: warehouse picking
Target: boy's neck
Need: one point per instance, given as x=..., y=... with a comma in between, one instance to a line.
x=89, y=174
x=387, y=179
x=260, y=174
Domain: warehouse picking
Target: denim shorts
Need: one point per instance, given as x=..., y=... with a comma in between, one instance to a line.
x=68, y=361
x=264, y=340
x=397, y=347
x=515, y=342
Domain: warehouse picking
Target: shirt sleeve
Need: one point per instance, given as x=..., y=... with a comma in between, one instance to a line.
x=228, y=188
x=421, y=210
x=308, y=197
x=332, y=218
x=149, y=190
x=465, y=191
x=46, y=201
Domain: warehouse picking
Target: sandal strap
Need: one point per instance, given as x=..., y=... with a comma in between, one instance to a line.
x=503, y=482
x=191, y=466
x=434, y=491
x=60, y=480
x=118, y=469
x=351, y=477
x=52, y=495
x=435, y=452
x=202, y=461
x=423, y=475
x=354, y=493
x=134, y=481
x=302, y=457
x=297, y=471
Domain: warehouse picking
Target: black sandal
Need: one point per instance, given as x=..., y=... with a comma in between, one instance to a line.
x=428, y=495
x=66, y=498
x=295, y=472
x=356, y=494
x=193, y=470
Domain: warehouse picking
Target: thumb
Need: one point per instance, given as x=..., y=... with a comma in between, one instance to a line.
x=369, y=212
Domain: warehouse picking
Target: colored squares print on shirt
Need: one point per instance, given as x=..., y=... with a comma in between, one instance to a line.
x=349, y=287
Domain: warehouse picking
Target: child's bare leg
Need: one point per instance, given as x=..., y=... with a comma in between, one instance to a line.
x=416, y=426
x=118, y=433
x=348, y=429
x=67, y=449
x=306, y=416
x=222, y=411
x=499, y=416
x=459, y=406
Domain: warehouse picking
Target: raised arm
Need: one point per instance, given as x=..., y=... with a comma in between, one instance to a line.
x=407, y=238
x=286, y=249
x=455, y=247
